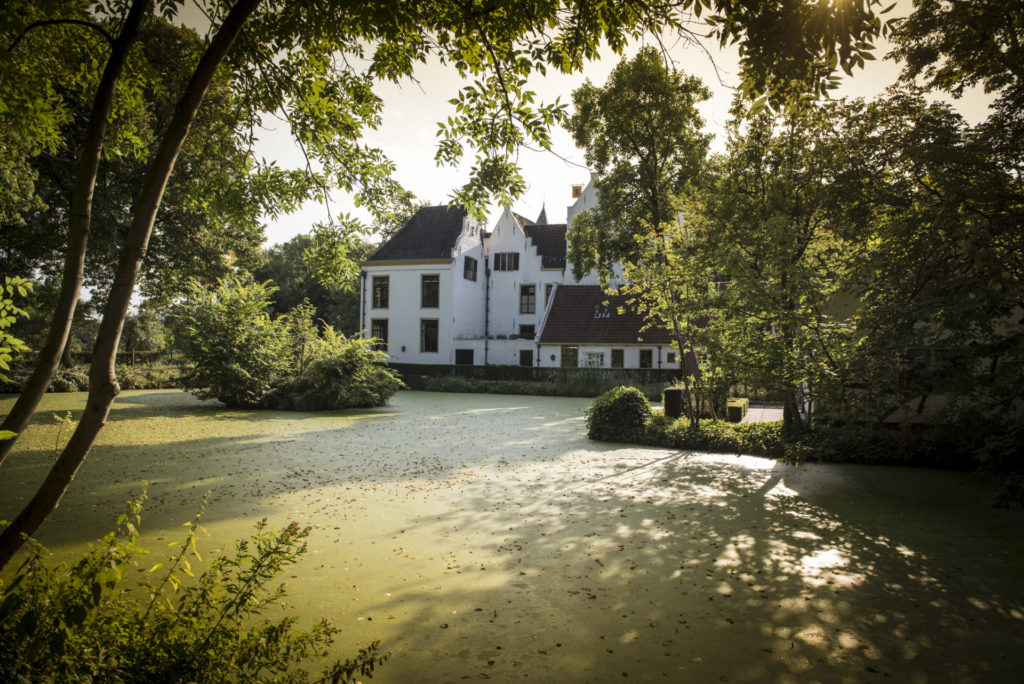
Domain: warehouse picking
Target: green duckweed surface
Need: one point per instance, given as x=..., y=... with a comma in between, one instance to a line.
x=483, y=537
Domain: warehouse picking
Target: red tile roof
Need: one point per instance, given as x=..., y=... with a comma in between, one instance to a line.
x=584, y=314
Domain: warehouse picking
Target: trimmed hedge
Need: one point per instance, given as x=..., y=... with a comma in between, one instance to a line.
x=934, y=446
x=141, y=376
x=736, y=409
x=572, y=387
x=618, y=415
x=758, y=439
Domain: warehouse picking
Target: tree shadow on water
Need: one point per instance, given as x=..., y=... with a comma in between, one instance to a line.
x=688, y=567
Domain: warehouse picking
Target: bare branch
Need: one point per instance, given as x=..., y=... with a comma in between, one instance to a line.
x=55, y=22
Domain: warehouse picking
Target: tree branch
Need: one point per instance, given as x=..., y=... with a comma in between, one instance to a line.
x=54, y=22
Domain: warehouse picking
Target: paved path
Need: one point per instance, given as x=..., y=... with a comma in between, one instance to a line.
x=762, y=414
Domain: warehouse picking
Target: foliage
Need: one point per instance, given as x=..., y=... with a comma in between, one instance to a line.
x=133, y=376
x=768, y=210
x=212, y=204
x=757, y=439
x=736, y=408
x=984, y=49
x=144, y=376
x=10, y=346
x=146, y=331
x=245, y=358
x=239, y=351
x=618, y=415
x=875, y=444
x=936, y=208
x=88, y=623
x=643, y=138
x=288, y=267
x=674, y=282
x=343, y=373
x=69, y=380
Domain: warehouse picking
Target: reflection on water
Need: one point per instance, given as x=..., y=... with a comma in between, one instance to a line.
x=485, y=537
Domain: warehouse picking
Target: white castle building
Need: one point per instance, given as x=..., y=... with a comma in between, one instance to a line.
x=443, y=290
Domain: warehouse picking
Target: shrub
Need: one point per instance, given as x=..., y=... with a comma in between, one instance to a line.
x=81, y=624
x=618, y=415
x=144, y=376
x=238, y=350
x=69, y=380
x=347, y=373
x=758, y=439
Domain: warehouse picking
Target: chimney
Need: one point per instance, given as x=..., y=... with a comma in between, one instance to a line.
x=577, y=190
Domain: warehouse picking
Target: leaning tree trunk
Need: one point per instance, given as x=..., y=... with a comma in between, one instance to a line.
x=103, y=386
x=78, y=231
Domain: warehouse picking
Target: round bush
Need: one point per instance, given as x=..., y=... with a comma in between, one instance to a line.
x=618, y=415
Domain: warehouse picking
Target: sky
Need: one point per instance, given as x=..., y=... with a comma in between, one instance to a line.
x=412, y=109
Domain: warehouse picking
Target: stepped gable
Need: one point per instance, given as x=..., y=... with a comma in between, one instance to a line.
x=579, y=315
x=431, y=233
x=523, y=221
x=550, y=243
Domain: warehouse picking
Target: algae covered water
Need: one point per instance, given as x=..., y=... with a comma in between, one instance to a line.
x=484, y=537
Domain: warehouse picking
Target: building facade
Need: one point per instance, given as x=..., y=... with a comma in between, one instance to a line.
x=445, y=291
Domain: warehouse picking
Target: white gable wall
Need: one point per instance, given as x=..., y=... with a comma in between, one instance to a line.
x=506, y=288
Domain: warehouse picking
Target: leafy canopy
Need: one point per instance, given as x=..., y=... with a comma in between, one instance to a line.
x=644, y=139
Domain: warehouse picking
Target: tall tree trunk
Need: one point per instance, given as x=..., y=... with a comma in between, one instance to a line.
x=66, y=360
x=103, y=386
x=78, y=231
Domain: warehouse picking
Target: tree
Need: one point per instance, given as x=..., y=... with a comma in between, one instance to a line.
x=984, y=49
x=288, y=267
x=211, y=207
x=936, y=210
x=674, y=281
x=286, y=60
x=144, y=331
x=768, y=208
x=643, y=137
x=401, y=210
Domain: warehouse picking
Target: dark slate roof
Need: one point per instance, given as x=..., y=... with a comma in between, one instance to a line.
x=550, y=242
x=431, y=233
x=579, y=316
x=543, y=218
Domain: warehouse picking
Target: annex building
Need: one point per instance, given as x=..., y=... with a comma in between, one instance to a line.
x=443, y=290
